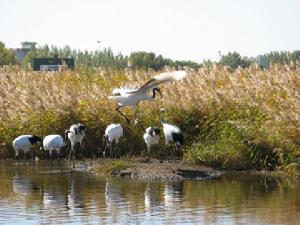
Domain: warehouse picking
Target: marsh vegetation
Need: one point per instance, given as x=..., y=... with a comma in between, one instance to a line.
x=242, y=119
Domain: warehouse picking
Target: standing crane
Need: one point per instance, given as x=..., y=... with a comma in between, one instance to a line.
x=152, y=137
x=75, y=135
x=53, y=142
x=173, y=135
x=113, y=133
x=25, y=143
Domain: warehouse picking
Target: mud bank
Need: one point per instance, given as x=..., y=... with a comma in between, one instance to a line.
x=154, y=170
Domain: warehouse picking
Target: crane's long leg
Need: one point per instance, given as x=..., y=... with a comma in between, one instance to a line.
x=122, y=114
x=106, y=149
x=32, y=157
x=141, y=126
x=114, y=146
x=160, y=154
x=81, y=147
x=50, y=160
x=113, y=150
x=148, y=153
x=110, y=150
x=118, y=153
x=168, y=152
x=72, y=151
x=117, y=150
x=58, y=160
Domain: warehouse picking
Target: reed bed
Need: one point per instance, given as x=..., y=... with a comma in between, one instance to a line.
x=249, y=118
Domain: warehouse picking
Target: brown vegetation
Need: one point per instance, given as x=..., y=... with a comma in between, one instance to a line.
x=241, y=119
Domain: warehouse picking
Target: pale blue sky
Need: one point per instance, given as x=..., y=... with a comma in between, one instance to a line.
x=178, y=29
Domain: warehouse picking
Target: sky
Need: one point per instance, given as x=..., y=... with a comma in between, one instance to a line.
x=177, y=29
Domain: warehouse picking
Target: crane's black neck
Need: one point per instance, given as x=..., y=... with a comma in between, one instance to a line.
x=35, y=139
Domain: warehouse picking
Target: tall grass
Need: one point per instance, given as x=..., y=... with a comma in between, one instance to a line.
x=249, y=118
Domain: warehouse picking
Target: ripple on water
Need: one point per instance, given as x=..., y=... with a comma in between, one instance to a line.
x=36, y=196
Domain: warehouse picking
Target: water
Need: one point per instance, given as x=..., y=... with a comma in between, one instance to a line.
x=33, y=195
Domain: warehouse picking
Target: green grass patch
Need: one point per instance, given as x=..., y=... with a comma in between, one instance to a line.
x=238, y=138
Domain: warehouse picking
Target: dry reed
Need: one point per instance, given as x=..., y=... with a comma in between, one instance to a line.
x=82, y=95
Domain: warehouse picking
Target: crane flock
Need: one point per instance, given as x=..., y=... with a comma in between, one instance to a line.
x=124, y=96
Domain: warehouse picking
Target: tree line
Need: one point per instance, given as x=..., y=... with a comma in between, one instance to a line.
x=105, y=58
x=6, y=56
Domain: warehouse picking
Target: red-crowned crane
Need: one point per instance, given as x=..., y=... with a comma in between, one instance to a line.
x=173, y=135
x=75, y=135
x=126, y=96
x=25, y=143
x=113, y=133
x=53, y=142
x=151, y=137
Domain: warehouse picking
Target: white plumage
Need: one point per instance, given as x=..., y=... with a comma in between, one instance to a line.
x=25, y=143
x=123, y=90
x=169, y=131
x=151, y=137
x=53, y=142
x=173, y=135
x=127, y=96
x=170, y=76
x=113, y=133
x=75, y=134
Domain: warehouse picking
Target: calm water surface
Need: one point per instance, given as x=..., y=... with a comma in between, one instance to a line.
x=33, y=195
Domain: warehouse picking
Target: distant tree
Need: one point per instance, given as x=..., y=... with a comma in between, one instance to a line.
x=207, y=63
x=147, y=60
x=282, y=57
x=188, y=63
x=27, y=61
x=234, y=59
x=142, y=60
x=295, y=55
x=6, y=56
x=44, y=51
x=66, y=51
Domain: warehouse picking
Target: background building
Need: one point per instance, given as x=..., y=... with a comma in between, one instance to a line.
x=26, y=46
x=52, y=64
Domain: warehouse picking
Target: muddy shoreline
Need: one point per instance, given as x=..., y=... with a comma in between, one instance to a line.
x=167, y=171
x=154, y=170
x=138, y=169
x=174, y=170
